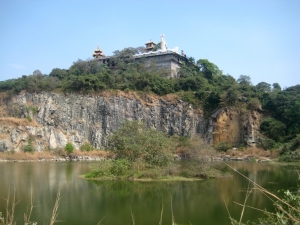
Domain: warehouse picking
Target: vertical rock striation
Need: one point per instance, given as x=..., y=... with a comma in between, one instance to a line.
x=80, y=118
x=62, y=118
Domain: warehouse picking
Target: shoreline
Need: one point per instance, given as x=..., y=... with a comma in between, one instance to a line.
x=176, y=178
x=46, y=156
x=102, y=156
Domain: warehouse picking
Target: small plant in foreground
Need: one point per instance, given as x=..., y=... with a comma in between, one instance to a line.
x=10, y=210
x=287, y=208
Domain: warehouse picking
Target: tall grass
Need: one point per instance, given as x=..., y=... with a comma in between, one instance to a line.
x=12, y=121
x=10, y=206
x=287, y=208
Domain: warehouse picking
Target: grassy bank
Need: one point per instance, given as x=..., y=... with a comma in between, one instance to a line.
x=137, y=171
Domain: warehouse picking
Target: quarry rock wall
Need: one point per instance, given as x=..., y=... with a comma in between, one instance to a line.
x=61, y=118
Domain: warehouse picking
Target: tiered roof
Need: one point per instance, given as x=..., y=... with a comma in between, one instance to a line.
x=98, y=53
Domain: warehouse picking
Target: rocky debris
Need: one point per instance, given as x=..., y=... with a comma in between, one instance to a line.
x=75, y=158
x=59, y=159
x=4, y=145
x=177, y=157
x=248, y=158
x=264, y=160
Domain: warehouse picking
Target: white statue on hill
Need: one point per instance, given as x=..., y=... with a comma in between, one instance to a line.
x=163, y=44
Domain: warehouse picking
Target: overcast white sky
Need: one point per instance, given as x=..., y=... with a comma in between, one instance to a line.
x=259, y=38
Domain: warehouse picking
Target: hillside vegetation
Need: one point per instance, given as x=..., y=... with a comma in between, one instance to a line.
x=200, y=83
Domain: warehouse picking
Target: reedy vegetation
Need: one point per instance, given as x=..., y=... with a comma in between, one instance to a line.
x=287, y=208
x=9, y=216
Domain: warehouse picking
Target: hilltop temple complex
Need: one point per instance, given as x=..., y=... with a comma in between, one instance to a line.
x=161, y=57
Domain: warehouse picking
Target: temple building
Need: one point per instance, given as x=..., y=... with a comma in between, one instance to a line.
x=98, y=53
x=150, y=46
x=163, y=57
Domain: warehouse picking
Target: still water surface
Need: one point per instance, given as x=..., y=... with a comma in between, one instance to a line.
x=87, y=202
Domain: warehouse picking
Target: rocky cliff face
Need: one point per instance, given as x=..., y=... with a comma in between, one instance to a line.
x=60, y=118
x=78, y=118
x=235, y=127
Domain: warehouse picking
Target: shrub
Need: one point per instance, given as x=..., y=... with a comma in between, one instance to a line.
x=291, y=156
x=69, y=148
x=267, y=144
x=222, y=146
x=254, y=104
x=28, y=108
x=295, y=143
x=135, y=141
x=86, y=147
x=273, y=128
x=29, y=147
x=119, y=167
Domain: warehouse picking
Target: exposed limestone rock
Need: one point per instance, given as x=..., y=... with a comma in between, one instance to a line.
x=77, y=118
x=235, y=127
x=4, y=145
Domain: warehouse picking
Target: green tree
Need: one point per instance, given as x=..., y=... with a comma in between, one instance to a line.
x=69, y=148
x=276, y=87
x=292, y=113
x=157, y=46
x=59, y=73
x=244, y=80
x=87, y=83
x=230, y=97
x=263, y=87
x=122, y=59
x=273, y=129
x=134, y=141
x=208, y=69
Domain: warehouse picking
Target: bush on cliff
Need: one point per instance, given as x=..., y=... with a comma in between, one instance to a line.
x=29, y=146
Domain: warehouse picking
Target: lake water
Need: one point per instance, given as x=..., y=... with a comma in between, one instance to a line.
x=87, y=202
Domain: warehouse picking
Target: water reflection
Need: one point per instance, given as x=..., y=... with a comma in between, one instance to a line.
x=86, y=202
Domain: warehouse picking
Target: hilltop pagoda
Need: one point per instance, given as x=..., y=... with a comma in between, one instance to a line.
x=98, y=53
x=150, y=46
